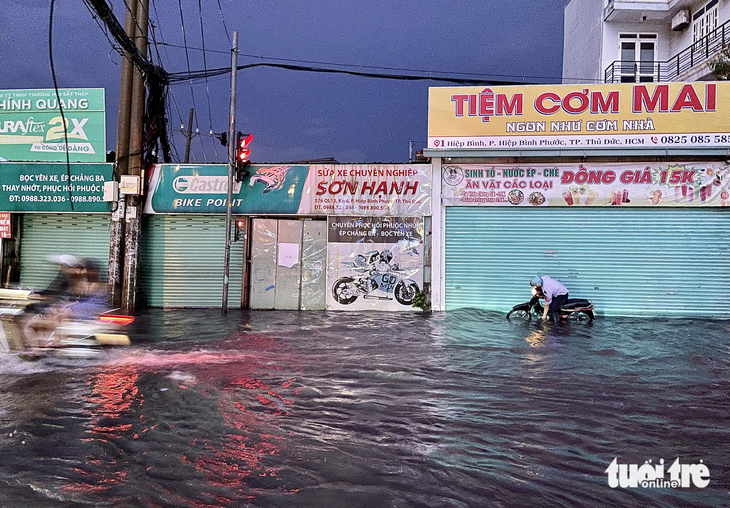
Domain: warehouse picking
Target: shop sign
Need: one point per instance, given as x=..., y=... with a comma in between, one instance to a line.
x=5, y=225
x=33, y=129
x=585, y=117
x=367, y=190
x=203, y=188
x=374, y=263
x=38, y=187
x=685, y=184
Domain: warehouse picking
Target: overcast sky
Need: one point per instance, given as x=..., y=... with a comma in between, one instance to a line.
x=294, y=115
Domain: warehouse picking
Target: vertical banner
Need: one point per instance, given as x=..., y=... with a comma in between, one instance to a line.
x=374, y=263
x=5, y=231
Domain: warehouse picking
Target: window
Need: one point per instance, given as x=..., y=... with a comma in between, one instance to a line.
x=704, y=21
x=637, y=53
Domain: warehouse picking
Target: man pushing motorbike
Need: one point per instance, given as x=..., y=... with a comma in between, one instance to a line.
x=555, y=295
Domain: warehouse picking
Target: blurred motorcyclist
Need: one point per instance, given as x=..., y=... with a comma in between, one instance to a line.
x=64, y=284
x=75, y=293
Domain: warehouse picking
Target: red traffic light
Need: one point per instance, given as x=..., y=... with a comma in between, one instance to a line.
x=242, y=155
x=240, y=230
x=242, y=152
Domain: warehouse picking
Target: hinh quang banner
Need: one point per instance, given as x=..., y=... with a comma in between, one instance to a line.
x=685, y=184
x=33, y=128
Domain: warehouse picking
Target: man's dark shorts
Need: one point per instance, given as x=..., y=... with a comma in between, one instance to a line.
x=553, y=312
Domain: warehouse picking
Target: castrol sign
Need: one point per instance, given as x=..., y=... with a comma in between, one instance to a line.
x=582, y=117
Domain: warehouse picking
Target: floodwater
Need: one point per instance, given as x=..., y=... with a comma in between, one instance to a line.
x=290, y=409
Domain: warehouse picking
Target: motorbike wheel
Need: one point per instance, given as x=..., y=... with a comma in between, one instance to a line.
x=519, y=314
x=342, y=291
x=405, y=292
x=581, y=316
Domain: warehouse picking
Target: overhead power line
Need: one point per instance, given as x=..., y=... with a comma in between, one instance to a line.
x=379, y=68
x=177, y=77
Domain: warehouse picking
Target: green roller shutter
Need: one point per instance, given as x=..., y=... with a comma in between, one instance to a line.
x=181, y=262
x=83, y=235
x=629, y=261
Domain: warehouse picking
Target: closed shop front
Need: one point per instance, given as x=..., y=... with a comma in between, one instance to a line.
x=294, y=249
x=82, y=235
x=634, y=240
x=628, y=261
x=181, y=261
x=53, y=208
x=619, y=191
x=288, y=259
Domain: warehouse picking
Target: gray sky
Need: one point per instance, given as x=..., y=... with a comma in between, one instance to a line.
x=294, y=115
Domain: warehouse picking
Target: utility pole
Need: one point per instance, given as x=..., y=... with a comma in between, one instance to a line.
x=133, y=212
x=231, y=168
x=189, y=136
x=116, y=241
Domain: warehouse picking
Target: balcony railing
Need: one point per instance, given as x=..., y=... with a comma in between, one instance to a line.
x=669, y=70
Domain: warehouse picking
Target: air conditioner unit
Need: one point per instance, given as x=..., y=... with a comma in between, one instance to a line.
x=680, y=21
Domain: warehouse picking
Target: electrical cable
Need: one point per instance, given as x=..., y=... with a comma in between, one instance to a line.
x=223, y=19
x=177, y=77
x=207, y=88
x=60, y=106
x=187, y=58
x=519, y=79
x=159, y=56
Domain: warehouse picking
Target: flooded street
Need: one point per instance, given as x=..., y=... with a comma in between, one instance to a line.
x=324, y=409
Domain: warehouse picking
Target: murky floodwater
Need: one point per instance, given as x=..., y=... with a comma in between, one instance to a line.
x=369, y=410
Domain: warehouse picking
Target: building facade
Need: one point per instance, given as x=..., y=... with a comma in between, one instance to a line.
x=630, y=41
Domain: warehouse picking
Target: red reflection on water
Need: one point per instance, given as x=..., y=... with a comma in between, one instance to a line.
x=238, y=459
x=112, y=393
x=110, y=397
x=237, y=447
x=95, y=484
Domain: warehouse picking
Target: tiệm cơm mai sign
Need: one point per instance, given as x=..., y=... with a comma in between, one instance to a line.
x=585, y=117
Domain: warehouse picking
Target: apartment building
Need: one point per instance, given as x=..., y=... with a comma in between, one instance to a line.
x=643, y=41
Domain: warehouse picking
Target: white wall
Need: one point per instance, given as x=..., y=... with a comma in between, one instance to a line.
x=582, y=41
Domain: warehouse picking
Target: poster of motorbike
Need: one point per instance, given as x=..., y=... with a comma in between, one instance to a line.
x=374, y=262
x=678, y=184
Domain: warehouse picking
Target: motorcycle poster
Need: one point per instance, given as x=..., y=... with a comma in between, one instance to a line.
x=374, y=263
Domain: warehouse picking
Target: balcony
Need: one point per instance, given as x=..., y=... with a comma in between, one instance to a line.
x=642, y=10
x=676, y=67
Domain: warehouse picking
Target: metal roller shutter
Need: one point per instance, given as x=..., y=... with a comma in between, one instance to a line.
x=630, y=262
x=181, y=262
x=83, y=235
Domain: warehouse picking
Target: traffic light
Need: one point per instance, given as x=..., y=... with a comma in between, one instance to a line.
x=242, y=154
x=240, y=227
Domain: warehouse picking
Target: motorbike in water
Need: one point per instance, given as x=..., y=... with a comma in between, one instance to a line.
x=35, y=333
x=376, y=273
x=579, y=310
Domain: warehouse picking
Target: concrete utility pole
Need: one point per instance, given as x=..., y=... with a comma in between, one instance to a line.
x=231, y=168
x=116, y=251
x=133, y=213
